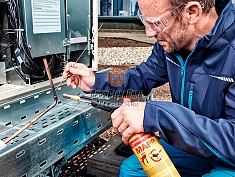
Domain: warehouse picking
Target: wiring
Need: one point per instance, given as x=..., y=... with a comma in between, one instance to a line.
x=7, y=39
x=15, y=20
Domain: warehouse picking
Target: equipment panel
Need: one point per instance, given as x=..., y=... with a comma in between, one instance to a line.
x=44, y=25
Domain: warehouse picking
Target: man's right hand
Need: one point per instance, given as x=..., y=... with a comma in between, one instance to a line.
x=79, y=75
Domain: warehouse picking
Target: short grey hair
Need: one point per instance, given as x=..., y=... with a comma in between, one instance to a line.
x=207, y=5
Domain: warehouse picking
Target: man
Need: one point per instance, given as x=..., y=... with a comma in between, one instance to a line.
x=194, y=52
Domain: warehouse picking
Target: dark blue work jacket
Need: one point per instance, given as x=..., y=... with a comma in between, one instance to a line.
x=201, y=117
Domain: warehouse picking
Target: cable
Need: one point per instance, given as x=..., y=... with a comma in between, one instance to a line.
x=15, y=19
x=31, y=66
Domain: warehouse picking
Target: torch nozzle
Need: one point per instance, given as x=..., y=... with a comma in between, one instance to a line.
x=104, y=104
x=71, y=97
x=78, y=98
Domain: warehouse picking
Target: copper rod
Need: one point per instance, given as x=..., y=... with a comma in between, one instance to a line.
x=43, y=112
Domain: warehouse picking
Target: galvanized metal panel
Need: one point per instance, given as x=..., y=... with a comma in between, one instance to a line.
x=78, y=15
x=79, y=27
x=61, y=132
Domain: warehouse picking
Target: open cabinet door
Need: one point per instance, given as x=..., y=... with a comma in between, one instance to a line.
x=82, y=36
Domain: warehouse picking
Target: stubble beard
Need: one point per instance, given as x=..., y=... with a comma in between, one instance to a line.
x=178, y=42
x=170, y=47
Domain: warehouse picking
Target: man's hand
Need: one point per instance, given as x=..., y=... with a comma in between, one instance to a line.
x=128, y=119
x=79, y=75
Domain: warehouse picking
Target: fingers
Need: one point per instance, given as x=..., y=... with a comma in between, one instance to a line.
x=116, y=119
x=66, y=69
x=73, y=68
x=119, y=120
x=126, y=100
x=126, y=135
x=79, y=69
x=75, y=82
x=78, y=75
x=122, y=128
x=72, y=81
x=128, y=120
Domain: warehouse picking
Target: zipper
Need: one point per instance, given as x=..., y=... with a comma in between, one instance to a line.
x=190, y=97
x=183, y=76
x=183, y=71
x=217, y=153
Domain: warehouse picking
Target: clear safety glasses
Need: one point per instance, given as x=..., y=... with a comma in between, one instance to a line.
x=160, y=24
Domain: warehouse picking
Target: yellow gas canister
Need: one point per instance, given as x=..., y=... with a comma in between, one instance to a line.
x=152, y=156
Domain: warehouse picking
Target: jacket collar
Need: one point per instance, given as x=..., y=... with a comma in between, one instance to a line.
x=224, y=21
x=220, y=4
x=224, y=9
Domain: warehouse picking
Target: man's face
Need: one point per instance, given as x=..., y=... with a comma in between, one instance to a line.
x=172, y=38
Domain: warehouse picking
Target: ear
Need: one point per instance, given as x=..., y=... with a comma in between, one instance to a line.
x=193, y=11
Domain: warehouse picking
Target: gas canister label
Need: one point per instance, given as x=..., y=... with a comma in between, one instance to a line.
x=152, y=156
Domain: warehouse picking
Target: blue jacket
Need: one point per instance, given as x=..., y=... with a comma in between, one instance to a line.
x=201, y=117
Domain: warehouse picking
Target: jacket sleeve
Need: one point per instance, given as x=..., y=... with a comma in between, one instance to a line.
x=196, y=134
x=144, y=77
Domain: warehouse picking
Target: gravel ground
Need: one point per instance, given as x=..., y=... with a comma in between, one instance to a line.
x=124, y=54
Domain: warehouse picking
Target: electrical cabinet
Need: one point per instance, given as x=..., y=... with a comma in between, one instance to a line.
x=59, y=31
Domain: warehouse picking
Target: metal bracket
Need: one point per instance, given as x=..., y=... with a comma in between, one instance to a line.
x=66, y=42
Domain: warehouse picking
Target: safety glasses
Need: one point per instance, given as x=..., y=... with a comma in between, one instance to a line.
x=161, y=23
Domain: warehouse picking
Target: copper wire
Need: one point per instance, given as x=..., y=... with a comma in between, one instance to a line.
x=43, y=112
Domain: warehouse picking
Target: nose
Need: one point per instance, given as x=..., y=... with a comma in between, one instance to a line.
x=150, y=33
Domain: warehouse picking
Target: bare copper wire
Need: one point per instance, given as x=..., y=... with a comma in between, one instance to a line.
x=43, y=112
